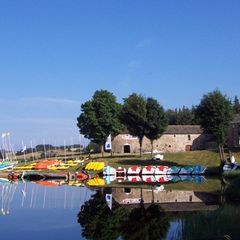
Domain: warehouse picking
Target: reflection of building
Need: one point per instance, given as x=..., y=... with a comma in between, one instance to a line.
x=171, y=200
x=176, y=138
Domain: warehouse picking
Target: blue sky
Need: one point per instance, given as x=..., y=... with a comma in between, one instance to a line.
x=55, y=54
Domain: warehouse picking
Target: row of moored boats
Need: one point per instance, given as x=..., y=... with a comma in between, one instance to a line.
x=155, y=170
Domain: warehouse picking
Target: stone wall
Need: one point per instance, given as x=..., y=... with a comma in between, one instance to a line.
x=166, y=143
x=234, y=135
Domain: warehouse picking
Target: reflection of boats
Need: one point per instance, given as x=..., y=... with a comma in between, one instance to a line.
x=37, y=176
x=109, y=178
x=162, y=178
x=148, y=178
x=81, y=176
x=134, y=179
x=96, y=182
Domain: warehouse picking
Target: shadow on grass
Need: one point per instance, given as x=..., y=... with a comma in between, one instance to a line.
x=147, y=162
x=122, y=156
x=213, y=171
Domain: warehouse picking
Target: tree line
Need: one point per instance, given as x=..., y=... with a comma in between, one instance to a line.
x=141, y=116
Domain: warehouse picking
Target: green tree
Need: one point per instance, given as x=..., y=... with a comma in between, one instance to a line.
x=215, y=113
x=236, y=105
x=185, y=116
x=100, y=117
x=156, y=121
x=133, y=116
x=172, y=116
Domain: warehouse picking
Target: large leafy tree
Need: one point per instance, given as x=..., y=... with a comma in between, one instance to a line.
x=100, y=117
x=215, y=113
x=156, y=121
x=133, y=116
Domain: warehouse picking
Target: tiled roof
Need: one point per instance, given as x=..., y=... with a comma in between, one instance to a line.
x=183, y=129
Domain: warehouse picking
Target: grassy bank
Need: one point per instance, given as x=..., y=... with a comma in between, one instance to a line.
x=210, y=159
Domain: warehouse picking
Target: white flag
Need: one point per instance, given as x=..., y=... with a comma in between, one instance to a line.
x=108, y=144
x=4, y=135
x=108, y=198
x=24, y=148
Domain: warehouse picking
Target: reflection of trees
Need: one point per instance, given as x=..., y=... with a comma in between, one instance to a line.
x=99, y=222
x=231, y=191
x=146, y=223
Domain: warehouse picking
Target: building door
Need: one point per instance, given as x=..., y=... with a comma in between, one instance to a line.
x=126, y=148
x=188, y=148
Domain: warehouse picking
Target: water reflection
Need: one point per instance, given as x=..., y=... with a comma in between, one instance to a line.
x=141, y=222
x=170, y=210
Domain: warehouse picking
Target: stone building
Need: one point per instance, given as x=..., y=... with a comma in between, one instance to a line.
x=176, y=138
x=234, y=132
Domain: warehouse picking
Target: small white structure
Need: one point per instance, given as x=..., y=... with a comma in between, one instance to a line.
x=158, y=157
x=232, y=159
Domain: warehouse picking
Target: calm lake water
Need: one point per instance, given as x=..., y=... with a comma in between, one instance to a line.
x=43, y=210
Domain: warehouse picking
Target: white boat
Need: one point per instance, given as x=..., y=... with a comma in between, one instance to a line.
x=148, y=170
x=109, y=171
x=121, y=171
x=5, y=166
x=134, y=170
x=161, y=170
x=186, y=170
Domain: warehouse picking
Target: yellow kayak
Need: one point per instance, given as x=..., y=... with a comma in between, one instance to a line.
x=96, y=182
x=72, y=164
x=28, y=167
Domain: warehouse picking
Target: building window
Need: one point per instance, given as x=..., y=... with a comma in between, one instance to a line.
x=174, y=135
x=189, y=137
x=156, y=145
x=127, y=190
x=169, y=146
